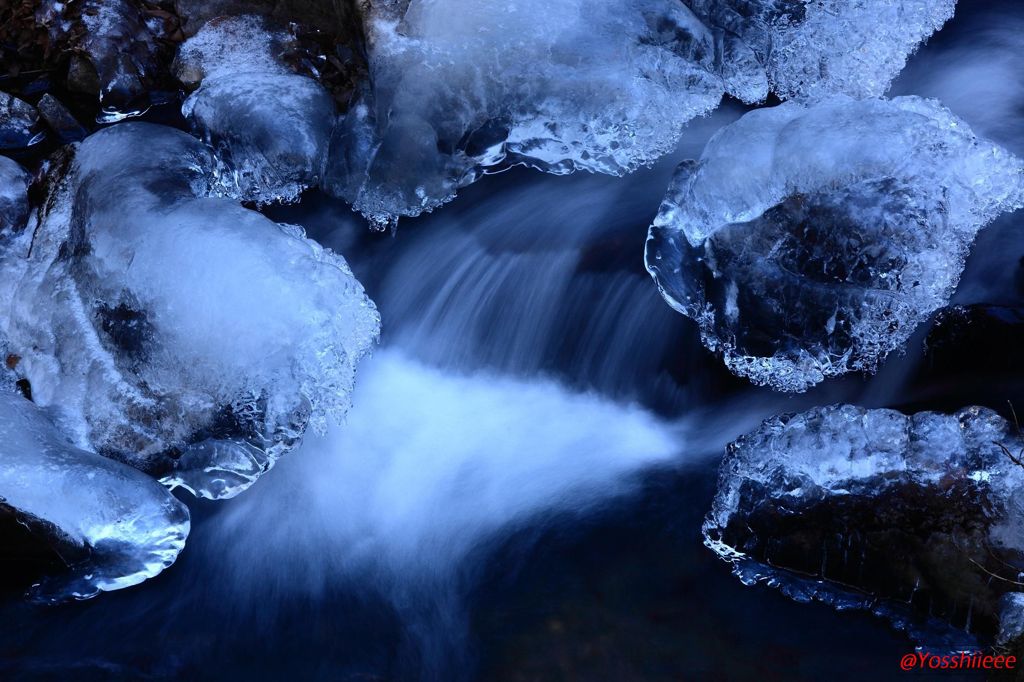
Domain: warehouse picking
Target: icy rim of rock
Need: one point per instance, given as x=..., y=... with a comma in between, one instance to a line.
x=270, y=126
x=457, y=92
x=114, y=526
x=744, y=233
x=925, y=484
x=171, y=329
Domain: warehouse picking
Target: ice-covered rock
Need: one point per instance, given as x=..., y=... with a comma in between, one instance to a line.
x=814, y=48
x=270, y=125
x=917, y=518
x=459, y=89
x=13, y=197
x=113, y=525
x=810, y=241
x=118, y=40
x=171, y=329
x=19, y=123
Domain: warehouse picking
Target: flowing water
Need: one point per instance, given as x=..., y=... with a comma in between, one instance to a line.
x=518, y=489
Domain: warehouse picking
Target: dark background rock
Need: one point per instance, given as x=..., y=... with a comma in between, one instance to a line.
x=61, y=121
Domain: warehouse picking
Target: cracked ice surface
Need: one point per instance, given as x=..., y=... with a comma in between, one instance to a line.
x=810, y=241
x=914, y=513
x=271, y=126
x=113, y=525
x=815, y=48
x=458, y=89
x=173, y=330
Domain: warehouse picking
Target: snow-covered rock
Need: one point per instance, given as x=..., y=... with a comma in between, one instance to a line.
x=19, y=123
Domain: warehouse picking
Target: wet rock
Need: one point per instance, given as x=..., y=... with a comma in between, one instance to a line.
x=82, y=77
x=919, y=519
x=60, y=120
x=328, y=17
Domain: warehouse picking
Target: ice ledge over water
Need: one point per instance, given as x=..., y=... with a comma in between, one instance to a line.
x=917, y=518
x=457, y=90
x=171, y=329
x=809, y=241
x=270, y=126
x=113, y=525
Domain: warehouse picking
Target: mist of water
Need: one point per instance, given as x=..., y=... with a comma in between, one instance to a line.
x=529, y=375
x=524, y=349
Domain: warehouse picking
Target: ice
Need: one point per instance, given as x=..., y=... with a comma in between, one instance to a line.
x=120, y=43
x=114, y=526
x=459, y=89
x=19, y=123
x=171, y=329
x=13, y=197
x=271, y=126
x=917, y=518
x=810, y=241
x=815, y=48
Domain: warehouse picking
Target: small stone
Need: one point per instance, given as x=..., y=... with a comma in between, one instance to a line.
x=60, y=120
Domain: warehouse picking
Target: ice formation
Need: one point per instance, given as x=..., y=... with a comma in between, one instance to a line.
x=459, y=89
x=13, y=197
x=116, y=46
x=113, y=525
x=19, y=123
x=814, y=48
x=919, y=518
x=171, y=329
x=271, y=126
x=810, y=240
